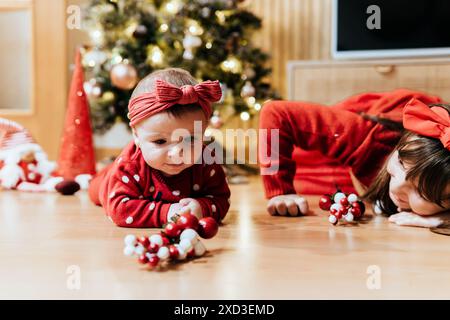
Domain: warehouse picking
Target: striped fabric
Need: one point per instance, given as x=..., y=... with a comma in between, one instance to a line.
x=13, y=134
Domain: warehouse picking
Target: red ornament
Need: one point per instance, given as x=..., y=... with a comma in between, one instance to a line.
x=172, y=230
x=340, y=207
x=173, y=252
x=143, y=259
x=187, y=221
x=207, y=228
x=191, y=253
x=325, y=202
x=344, y=202
x=166, y=240
x=153, y=248
x=144, y=241
x=153, y=261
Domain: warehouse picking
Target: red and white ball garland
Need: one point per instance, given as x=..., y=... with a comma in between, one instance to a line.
x=342, y=206
x=178, y=240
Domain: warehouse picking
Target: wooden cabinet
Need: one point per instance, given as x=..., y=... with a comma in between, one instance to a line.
x=328, y=82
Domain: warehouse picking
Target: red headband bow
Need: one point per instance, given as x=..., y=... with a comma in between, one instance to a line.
x=167, y=95
x=431, y=122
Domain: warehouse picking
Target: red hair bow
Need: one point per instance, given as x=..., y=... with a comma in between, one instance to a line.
x=431, y=122
x=167, y=95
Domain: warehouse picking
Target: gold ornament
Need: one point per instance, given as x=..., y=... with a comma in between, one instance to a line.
x=232, y=64
x=124, y=76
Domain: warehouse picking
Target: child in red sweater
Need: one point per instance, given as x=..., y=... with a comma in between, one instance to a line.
x=162, y=172
x=407, y=172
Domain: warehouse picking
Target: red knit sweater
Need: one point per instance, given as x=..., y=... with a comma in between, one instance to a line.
x=337, y=131
x=136, y=195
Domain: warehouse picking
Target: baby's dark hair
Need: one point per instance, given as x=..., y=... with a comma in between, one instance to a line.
x=429, y=165
x=175, y=76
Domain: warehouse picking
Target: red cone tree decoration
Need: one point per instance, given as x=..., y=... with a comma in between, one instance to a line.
x=77, y=148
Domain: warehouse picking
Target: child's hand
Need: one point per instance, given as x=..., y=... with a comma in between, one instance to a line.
x=173, y=210
x=191, y=205
x=291, y=204
x=414, y=220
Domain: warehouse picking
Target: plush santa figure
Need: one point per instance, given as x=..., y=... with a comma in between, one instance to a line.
x=23, y=164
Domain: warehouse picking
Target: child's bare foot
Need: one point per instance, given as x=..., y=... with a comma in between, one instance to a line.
x=288, y=204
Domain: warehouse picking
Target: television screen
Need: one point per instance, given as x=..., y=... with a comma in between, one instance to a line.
x=390, y=28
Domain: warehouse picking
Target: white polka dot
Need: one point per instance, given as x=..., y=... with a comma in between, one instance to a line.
x=125, y=200
x=31, y=176
x=136, y=177
x=152, y=206
x=212, y=172
x=210, y=196
x=129, y=220
x=112, y=195
x=176, y=192
x=196, y=187
x=152, y=189
x=214, y=209
x=31, y=166
x=125, y=179
x=141, y=197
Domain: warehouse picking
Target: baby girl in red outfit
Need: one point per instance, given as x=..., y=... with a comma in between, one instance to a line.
x=163, y=171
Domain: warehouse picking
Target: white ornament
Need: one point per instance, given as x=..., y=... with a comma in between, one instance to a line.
x=128, y=251
x=338, y=197
x=199, y=249
x=332, y=218
x=139, y=250
x=156, y=239
x=189, y=234
x=335, y=206
x=349, y=217
x=182, y=254
x=163, y=253
x=130, y=240
x=186, y=244
x=352, y=198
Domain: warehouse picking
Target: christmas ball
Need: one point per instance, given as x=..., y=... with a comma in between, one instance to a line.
x=144, y=241
x=153, y=261
x=333, y=219
x=128, y=251
x=352, y=198
x=207, y=228
x=325, y=203
x=189, y=234
x=67, y=187
x=187, y=221
x=338, y=196
x=153, y=247
x=143, y=259
x=130, y=240
x=186, y=244
x=173, y=251
x=124, y=76
x=163, y=253
x=172, y=230
x=156, y=238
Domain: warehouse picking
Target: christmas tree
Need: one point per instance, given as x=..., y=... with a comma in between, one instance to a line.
x=209, y=38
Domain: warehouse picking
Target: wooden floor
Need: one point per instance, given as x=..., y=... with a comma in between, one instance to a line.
x=254, y=256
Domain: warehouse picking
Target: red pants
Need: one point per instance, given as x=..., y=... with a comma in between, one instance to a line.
x=94, y=186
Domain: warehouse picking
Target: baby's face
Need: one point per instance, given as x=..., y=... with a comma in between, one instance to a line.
x=170, y=144
x=405, y=194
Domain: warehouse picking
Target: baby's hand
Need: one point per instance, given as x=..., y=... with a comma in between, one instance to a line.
x=191, y=205
x=414, y=220
x=291, y=204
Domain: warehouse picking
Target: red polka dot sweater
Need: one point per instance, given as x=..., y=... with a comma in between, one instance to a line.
x=135, y=195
